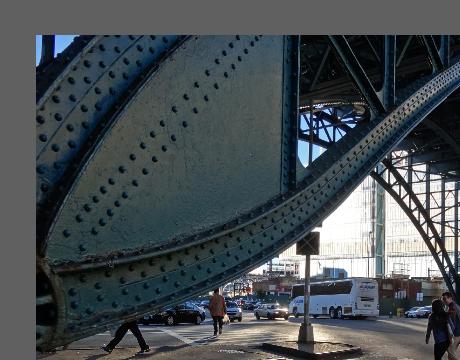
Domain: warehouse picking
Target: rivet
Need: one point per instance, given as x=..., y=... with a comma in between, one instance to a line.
x=196, y=84
x=87, y=63
x=126, y=61
x=87, y=208
x=87, y=80
x=226, y=74
x=125, y=76
x=216, y=86
x=186, y=97
x=122, y=280
x=98, y=106
x=121, y=169
x=193, y=277
x=207, y=73
x=73, y=305
x=230, y=45
x=112, y=91
x=162, y=123
x=41, y=169
x=111, y=181
x=72, y=144
x=85, y=125
x=174, y=109
x=152, y=134
x=173, y=137
x=124, y=195
x=94, y=231
x=114, y=304
x=237, y=37
x=132, y=157
x=164, y=148
x=165, y=278
x=208, y=270
x=139, y=47
x=95, y=199
x=66, y=233
x=146, y=285
x=102, y=222
x=145, y=171
x=217, y=61
x=239, y=58
x=82, y=278
x=125, y=291
x=137, y=298
x=102, y=64
x=245, y=51
x=142, y=145
x=71, y=80
x=109, y=212
x=233, y=66
x=69, y=127
x=56, y=99
x=195, y=110
x=100, y=297
x=108, y=273
x=55, y=147
x=82, y=248
x=157, y=290
x=44, y=187
x=84, y=108
x=97, y=286
x=224, y=53
x=135, y=183
x=72, y=292
x=154, y=159
x=43, y=137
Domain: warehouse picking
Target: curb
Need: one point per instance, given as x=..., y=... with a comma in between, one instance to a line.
x=279, y=347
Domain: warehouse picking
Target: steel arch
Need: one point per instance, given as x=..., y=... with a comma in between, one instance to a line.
x=87, y=284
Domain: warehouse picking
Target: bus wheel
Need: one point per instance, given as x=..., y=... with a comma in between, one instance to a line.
x=339, y=313
x=332, y=313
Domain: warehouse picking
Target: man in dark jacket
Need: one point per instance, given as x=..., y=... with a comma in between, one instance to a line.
x=218, y=309
x=121, y=331
x=454, y=313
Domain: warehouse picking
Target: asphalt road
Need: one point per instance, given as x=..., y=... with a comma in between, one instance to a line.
x=380, y=339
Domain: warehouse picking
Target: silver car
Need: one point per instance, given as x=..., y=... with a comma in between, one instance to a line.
x=271, y=311
x=233, y=311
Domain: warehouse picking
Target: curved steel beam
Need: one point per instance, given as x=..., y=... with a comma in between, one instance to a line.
x=124, y=275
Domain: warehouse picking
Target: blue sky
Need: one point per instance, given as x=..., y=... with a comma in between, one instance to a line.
x=62, y=41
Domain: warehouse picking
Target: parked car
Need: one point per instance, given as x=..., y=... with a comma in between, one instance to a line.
x=411, y=313
x=423, y=312
x=271, y=311
x=234, y=311
x=205, y=304
x=183, y=313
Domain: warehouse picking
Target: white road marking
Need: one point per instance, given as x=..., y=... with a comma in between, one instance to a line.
x=180, y=337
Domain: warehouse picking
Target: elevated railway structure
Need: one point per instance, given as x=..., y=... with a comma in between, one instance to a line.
x=168, y=165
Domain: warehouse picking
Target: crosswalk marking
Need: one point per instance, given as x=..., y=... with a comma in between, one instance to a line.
x=231, y=335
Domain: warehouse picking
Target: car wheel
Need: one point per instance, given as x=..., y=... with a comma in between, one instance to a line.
x=269, y=317
x=239, y=319
x=286, y=317
x=169, y=320
x=198, y=320
x=294, y=311
x=232, y=320
x=332, y=314
x=339, y=313
x=257, y=316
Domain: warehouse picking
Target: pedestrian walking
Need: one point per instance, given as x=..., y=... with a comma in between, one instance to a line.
x=218, y=309
x=120, y=333
x=439, y=322
x=454, y=314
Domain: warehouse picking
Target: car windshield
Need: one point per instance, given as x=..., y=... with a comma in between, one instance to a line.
x=414, y=308
x=231, y=304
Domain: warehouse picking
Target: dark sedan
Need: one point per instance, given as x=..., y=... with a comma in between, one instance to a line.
x=184, y=313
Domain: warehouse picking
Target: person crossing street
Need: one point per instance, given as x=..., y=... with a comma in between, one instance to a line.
x=218, y=309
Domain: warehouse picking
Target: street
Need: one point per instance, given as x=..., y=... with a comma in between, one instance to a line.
x=380, y=339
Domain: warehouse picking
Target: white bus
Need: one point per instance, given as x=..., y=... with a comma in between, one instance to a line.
x=354, y=297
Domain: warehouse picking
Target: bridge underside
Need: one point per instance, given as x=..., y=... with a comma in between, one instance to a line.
x=168, y=165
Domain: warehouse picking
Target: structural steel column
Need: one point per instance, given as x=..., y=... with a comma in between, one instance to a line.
x=379, y=227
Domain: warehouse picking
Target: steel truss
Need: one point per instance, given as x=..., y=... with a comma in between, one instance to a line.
x=433, y=213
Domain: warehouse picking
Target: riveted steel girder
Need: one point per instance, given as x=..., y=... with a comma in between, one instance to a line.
x=192, y=191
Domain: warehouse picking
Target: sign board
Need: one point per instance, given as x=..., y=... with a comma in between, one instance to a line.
x=309, y=245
